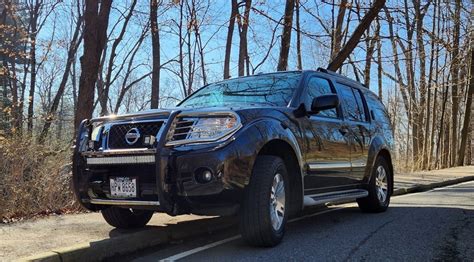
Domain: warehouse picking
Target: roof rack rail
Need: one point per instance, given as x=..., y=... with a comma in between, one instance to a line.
x=320, y=69
x=327, y=71
x=324, y=70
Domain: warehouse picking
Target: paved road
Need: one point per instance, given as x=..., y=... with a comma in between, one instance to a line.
x=434, y=225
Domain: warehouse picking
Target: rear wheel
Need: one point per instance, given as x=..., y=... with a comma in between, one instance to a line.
x=265, y=204
x=379, y=188
x=126, y=217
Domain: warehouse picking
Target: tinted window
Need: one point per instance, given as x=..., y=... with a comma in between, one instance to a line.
x=360, y=104
x=353, y=111
x=379, y=113
x=318, y=87
x=271, y=89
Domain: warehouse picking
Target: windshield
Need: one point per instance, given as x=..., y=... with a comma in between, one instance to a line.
x=272, y=89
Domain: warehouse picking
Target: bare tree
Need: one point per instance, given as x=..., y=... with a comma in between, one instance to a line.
x=336, y=40
x=230, y=34
x=286, y=36
x=195, y=26
x=155, y=43
x=71, y=53
x=455, y=80
x=243, y=22
x=96, y=20
x=104, y=93
x=299, y=64
x=467, y=115
x=342, y=55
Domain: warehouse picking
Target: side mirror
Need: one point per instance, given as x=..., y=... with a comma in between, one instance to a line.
x=324, y=102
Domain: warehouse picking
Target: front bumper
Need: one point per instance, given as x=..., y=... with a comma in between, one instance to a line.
x=166, y=177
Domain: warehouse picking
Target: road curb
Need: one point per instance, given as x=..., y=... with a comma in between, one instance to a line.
x=44, y=257
x=426, y=187
x=151, y=237
x=129, y=243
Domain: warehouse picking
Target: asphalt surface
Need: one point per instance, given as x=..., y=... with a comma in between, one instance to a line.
x=437, y=225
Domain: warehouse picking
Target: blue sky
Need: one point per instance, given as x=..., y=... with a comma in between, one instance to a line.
x=213, y=31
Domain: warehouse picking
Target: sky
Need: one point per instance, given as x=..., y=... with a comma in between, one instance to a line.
x=214, y=22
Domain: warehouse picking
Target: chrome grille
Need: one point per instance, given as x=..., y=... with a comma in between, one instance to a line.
x=182, y=127
x=117, y=132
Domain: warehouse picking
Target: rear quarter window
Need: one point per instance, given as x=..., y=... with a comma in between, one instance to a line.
x=378, y=113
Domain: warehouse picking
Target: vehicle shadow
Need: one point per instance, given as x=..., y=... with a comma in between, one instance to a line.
x=405, y=231
x=176, y=230
x=425, y=232
x=127, y=241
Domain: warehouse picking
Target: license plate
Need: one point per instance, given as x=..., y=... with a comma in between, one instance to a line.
x=123, y=187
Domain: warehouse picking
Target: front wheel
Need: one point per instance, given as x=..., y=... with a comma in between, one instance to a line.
x=126, y=217
x=379, y=188
x=265, y=204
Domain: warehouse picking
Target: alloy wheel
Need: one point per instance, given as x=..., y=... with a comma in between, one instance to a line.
x=277, y=202
x=381, y=186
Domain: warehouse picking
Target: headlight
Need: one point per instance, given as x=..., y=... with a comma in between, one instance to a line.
x=202, y=129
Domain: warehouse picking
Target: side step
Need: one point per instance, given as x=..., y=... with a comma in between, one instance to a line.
x=318, y=199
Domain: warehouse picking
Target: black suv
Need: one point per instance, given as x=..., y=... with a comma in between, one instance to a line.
x=262, y=146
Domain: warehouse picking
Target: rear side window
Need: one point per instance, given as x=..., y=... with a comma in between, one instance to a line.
x=377, y=111
x=353, y=104
x=317, y=87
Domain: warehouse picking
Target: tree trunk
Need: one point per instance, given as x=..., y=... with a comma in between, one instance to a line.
x=16, y=107
x=443, y=133
x=341, y=56
x=299, y=60
x=243, y=25
x=455, y=81
x=181, y=44
x=467, y=115
x=95, y=36
x=286, y=36
x=337, y=31
x=74, y=83
x=410, y=72
x=419, y=16
x=228, y=44
x=427, y=137
x=370, y=44
x=198, y=40
x=31, y=95
x=155, y=44
x=379, y=61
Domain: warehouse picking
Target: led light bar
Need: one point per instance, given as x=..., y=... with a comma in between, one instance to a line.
x=120, y=160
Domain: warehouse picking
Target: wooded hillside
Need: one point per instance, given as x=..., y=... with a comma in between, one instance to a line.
x=63, y=61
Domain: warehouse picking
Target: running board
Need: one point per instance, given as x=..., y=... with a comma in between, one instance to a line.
x=324, y=198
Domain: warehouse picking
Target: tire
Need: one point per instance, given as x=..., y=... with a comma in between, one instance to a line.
x=260, y=204
x=126, y=218
x=377, y=202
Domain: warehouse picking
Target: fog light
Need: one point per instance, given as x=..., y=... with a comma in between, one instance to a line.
x=207, y=175
x=203, y=175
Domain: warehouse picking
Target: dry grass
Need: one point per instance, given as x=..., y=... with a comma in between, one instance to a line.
x=34, y=179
